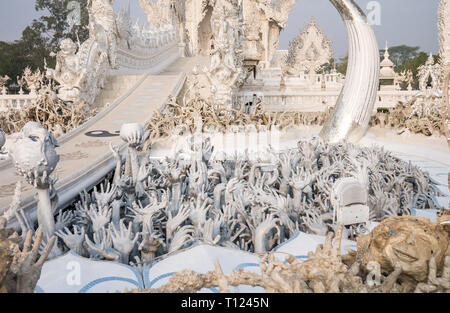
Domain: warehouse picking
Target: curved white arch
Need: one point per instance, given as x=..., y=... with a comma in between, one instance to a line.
x=353, y=109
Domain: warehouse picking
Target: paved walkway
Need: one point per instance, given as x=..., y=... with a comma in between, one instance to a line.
x=85, y=151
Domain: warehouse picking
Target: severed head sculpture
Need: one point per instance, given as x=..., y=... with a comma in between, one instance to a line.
x=405, y=242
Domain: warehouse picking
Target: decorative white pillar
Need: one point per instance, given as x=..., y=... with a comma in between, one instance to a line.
x=444, y=41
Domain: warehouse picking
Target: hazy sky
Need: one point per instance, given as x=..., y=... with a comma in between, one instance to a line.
x=410, y=22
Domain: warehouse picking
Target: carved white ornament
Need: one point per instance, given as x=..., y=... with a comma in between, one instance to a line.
x=158, y=12
x=308, y=51
x=68, y=72
x=226, y=69
x=430, y=70
x=35, y=158
x=112, y=42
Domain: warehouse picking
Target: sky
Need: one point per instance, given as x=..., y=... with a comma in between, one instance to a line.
x=409, y=22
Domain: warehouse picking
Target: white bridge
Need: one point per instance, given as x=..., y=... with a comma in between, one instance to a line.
x=150, y=70
x=85, y=157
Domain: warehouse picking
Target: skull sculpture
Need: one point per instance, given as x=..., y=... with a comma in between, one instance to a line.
x=34, y=156
x=407, y=242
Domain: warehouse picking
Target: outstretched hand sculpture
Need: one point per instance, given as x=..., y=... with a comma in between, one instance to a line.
x=20, y=268
x=237, y=203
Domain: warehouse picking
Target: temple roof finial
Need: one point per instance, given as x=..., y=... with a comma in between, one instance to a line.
x=387, y=66
x=386, y=51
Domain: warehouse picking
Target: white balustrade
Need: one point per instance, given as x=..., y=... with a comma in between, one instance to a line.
x=15, y=101
x=149, y=47
x=153, y=48
x=318, y=100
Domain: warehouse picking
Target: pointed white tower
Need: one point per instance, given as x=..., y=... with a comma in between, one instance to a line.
x=388, y=76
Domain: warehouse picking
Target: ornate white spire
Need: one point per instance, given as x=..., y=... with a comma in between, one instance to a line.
x=309, y=50
x=386, y=51
x=387, y=66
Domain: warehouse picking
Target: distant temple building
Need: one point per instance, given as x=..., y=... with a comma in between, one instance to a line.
x=302, y=78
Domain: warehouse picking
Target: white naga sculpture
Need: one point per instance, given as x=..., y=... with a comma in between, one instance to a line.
x=125, y=30
x=351, y=116
x=308, y=51
x=68, y=72
x=34, y=156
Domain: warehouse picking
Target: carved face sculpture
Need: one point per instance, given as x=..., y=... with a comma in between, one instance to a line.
x=407, y=241
x=68, y=47
x=33, y=153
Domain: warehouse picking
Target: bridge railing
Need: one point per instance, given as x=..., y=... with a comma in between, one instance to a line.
x=318, y=101
x=15, y=101
x=146, y=48
x=150, y=50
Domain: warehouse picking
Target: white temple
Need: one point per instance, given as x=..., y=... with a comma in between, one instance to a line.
x=184, y=158
x=298, y=79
